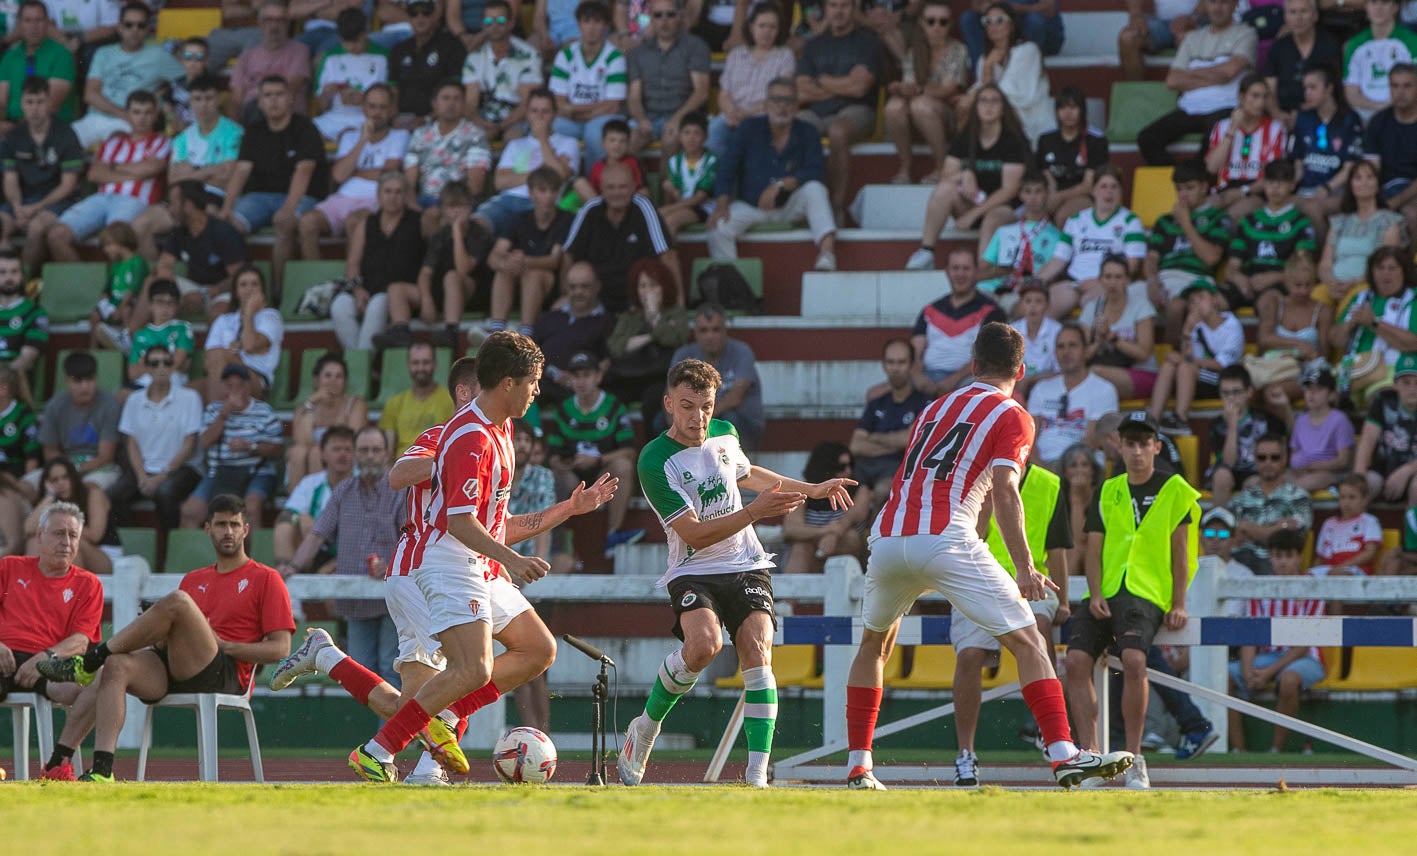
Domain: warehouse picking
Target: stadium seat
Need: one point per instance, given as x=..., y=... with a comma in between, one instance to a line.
x=181, y=23
x=1333, y=668
x=751, y=268
x=187, y=550
x=262, y=546
x=1379, y=669
x=933, y=669
x=300, y=275
x=792, y=666
x=393, y=376
x=894, y=668
x=1153, y=194
x=140, y=541
x=1134, y=104
x=357, y=361
x=278, y=396
x=206, y=705
x=1006, y=673
x=71, y=289
x=1189, y=447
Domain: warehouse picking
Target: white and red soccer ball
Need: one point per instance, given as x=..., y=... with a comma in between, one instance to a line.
x=524, y=755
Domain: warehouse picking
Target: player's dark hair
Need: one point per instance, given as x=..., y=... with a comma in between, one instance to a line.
x=898, y=340
x=462, y=373
x=80, y=365
x=497, y=4
x=507, y=354
x=1250, y=80
x=695, y=374
x=32, y=4
x=196, y=40
x=156, y=349
x=758, y=10
x=273, y=80
x=225, y=503
x=204, y=83
x=1288, y=541
x=1032, y=176
x=350, y=24
x=164, y=288
x=449, y=82
x=542, y=92
x=136, y=7
x=1397, y=254
x=1407, y=68
x=544, y=177
x=593, y=10
x=336, y=432
x=35, y=85
x=1071, y=95
x=998, y=351
x=1235, y=372
x=615, y=126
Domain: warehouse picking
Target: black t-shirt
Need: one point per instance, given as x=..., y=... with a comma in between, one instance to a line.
x=612, y=249
x=40, y=166
x=987, y=164
x=439, y=257
x=1067, y=160
x=1060, y=525
x=416, y=71
x=1287, y=66
x=273, y=156
x=534, y=241
x=1143, y=495
x=1397, y=432
x=393, y=257
x=208, y=254
x=1394, y=143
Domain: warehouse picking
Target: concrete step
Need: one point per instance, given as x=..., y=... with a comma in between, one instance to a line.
x=836, y=384
x=891, y=297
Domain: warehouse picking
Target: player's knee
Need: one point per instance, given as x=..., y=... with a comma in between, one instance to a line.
x=971, y=659
x=177, y=602
x=1133, y=663
x=700, y=650
x=1079, y=666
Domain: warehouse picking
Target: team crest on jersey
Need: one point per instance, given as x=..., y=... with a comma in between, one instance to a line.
x=602, y=423
x=68, y=595
x=15, y=323
x=688, y=600
x=10, y=429
x=723, y=458
x=907, y=419
x=475, y=606
x=469, y=488
x=241, y=586
x=688, y=476
x=712, y=491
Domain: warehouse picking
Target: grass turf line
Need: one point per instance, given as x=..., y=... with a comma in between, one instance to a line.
x=337, y=819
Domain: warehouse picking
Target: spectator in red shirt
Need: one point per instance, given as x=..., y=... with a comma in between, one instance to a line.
x=49, y=607
x=203, y=638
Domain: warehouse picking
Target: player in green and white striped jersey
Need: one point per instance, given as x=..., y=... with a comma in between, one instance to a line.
x=718, y=570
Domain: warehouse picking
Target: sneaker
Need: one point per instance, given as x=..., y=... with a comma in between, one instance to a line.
x=756, y=778
x=1152, y=741
x=825, y=261
x=634, y=755
x=921, y=259
x=437, y=777
x=1029, y=733
x=1136, y=775
x=1196, y=743
x=1173, y=424
x=967, y=769
x=1090, y=765
x=396, y=336
x=302, y=660
x=440, y=741
x=371, y=769
x=91, y=776
x=622, y=536
x=862, y=779
x=62, y=773
x=69, y=670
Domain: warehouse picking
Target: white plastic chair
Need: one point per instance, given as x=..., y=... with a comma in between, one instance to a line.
x=20, y=705
x=206, y=705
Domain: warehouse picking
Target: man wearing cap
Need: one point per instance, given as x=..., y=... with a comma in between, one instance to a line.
x=1387, y=446
x=1140, y=557
x=1066, y=406
x=1271, y=504
x=1321, y=445
x=428, y=57
x=243, y=441
x=589, y=434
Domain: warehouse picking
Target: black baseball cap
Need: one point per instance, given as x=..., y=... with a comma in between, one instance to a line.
x=1137, y=422
x=583, y=361
x=1318, y=376
x=235, y=370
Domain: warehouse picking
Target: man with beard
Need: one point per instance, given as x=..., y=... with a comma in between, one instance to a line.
x=211, y=248
x=425, y=403
x=206, y=637
x=24, y=325
x=362, y=519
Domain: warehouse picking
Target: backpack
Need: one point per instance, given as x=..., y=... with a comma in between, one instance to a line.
x=725, y=285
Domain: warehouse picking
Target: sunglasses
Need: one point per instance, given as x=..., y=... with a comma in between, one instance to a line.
x=490, y=20
x=1215, y=533
x=193, y=56
x=937, y=22
x=1269, y=457
x=159, y=363
x=666, y=13
x=782, y=99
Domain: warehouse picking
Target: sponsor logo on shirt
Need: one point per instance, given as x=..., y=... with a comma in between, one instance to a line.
x=469, y=488
x=712, y=491
x=24, y=584
x=241, y=586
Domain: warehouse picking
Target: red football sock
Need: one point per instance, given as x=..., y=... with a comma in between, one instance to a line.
x=461, y=728
x=476, y=700
x=356, y=680
x=1045, y=700
x=403, y=726
x=862, y=706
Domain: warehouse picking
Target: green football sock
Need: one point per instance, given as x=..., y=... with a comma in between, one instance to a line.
x=675, y=678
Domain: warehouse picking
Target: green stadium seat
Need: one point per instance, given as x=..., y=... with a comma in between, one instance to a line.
x=1134, y=105
x=187, y=550
x=393, y=377
x=279, y=395
x=139, y=541
x=359, y=371
x=263, y=546
x=71, y=289
x=751, y=268
x=300, y=275
x=111, y=369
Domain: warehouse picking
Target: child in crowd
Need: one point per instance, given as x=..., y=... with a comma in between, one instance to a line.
x=1217, y=341
x=1265, y=238
x=1235, y=434
x=688, y=185
x=165, y=329
x=1348, y=544
x=1321, y=442
x=615, y=139
x=1218, y=539
x=526, y=259
x=1019, y=249
x=127, y=272
x=1291, y=670
x=1187, y=243
x=1039, y=334
x=176, y=97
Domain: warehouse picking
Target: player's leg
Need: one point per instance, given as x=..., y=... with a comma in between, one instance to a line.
x=1136, y=690
x=531, y=649
x=175, y=621
x=78, y=722
x=753, y=640
x=975, y=651
x=142, y=674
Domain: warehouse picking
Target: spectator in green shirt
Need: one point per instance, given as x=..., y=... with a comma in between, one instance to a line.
x=34, y=54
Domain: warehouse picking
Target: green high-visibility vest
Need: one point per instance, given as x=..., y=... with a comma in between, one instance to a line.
x=1141, y=555
x=1039, y=492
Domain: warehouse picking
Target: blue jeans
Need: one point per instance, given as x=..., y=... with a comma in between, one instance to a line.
x=374, y=644
x=588, y=133
x=721, y=136
x=1042, y=30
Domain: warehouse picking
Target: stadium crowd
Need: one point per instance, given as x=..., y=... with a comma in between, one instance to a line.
x=471, y=165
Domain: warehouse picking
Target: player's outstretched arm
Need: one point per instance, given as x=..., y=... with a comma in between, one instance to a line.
x=583, y=500
x=407, y=472
x=772, y=501
x=836, y=490
x=1008, y=514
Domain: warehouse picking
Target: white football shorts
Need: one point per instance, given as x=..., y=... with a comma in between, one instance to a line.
x=904, y=567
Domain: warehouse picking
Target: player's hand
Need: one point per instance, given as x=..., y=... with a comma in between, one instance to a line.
x=1176, y=618
x=7, y=660
x=1033, y=585
x=1099, y=607
x=527, y=569
x=587, y=499
x=835, y=491
x=1062, y=615
x=775, y=502
x=28, y=672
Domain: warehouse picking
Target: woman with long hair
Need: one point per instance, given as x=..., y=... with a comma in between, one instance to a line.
x=1372, y=332
x=923, y=101
x=61, y=483
x=1364, y=224
x=1326, y=142
x=815, y=530
x=983, y=171
x=1016, y=67
x=743, y=86
x=250, y=334
x=1082, y=476
x=1070, y=156
x=1121, y=331
x=1295, y=324
x=1240, y=145
x=330, y=404
x=646, y=336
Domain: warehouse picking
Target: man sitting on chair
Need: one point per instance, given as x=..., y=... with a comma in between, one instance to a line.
x=203, y=638
x=49, y=607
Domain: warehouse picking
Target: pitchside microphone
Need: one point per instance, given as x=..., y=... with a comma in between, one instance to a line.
x=587, y=649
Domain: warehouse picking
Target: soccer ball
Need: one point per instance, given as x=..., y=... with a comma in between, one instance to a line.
x=524, y=755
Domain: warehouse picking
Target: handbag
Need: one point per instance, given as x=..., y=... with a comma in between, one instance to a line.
x=1271, y=369
x=317, y=298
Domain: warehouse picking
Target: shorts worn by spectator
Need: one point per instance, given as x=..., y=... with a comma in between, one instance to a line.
x=34, y=54
x=160, y=426
x=346, y=74
x=275, y=53
x=1066, y=407
x=669, y=78
x=43, y=164
x=1271, y=504
x=384, y=253
x=540, y=147
x=309, y=495
x=944, y=331
x=498, y=76
x=843, y=50
x=331, y=405
x=590, y=80
x=615, y=230
x=881, y=435
x=250, y=335
x=739, y=399
x=118, y=71
x=80, y=424
x=526, y=257
x=362, y=155
x=447, y=150
x=229, y=617
x=687, y=191
x=418, y=64
x=451, y=270
x=242, y=439
x=426, y=402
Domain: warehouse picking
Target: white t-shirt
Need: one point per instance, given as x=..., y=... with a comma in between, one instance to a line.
x=82, y=15
x=1139, y=307
x=310, y=494
x=604, y=77
x=1086, y=240
x=226, y=331
x=1205, y=48
x=1063, y=414
x=161, y=427
x=1339, y=541
x=1226, y=343
x=524, y=155
x=1038, y=356
x=374, y=155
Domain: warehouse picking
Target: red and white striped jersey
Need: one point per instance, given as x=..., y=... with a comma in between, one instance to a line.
x=125, y=149
x=472, y=474
x=1249, y=152
x=1285, y=607
x=948, y=468
x=409, y=553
